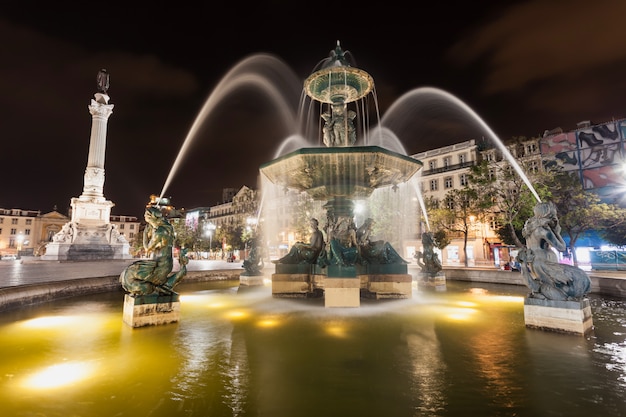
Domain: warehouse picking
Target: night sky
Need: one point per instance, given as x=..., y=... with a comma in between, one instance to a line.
x=523, y=66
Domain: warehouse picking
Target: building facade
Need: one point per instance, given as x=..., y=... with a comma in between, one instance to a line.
x=27, y=232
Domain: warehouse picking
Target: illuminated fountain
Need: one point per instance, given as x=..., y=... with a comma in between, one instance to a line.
x=349, y=264
x=238, y=353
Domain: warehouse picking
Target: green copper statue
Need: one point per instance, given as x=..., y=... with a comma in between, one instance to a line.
x=542, y=272
x=153, y=276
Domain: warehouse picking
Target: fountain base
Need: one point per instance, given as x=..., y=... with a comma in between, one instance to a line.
x=150, y=310
x=558, y=316
x=344, y=286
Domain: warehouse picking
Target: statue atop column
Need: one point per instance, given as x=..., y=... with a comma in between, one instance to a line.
x=103, y=81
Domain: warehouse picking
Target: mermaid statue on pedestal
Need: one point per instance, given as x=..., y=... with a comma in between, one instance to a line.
x=153, y=276
x=543, y=274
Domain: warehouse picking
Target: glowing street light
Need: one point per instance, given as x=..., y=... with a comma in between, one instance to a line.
x=209, y=228
x=20, y=241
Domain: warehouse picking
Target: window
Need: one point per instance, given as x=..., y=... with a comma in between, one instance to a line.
x=434, y=185
x=14, y=221
x=13, y=231
x=131, y=235
x=29, y=221
x=447, y=182
x=1, y=220
x=531, y=148
x=432, y=164
x=132, y=227
x=463, y=179
x=122, y=226
x=533, y=166
x=446, y=162
x=27, y=232
x=462, y=158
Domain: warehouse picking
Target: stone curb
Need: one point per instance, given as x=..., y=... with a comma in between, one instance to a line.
x=26, y=295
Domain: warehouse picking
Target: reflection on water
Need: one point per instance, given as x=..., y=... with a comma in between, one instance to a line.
x=240, y=352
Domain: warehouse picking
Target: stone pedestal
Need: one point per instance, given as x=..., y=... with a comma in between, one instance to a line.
x=291, y=285
x=380, y=286
x=342, y=292
x=558, y=316
x=342, y=287
x=297, y=281
x=429, y=283
x=151, y=310
x=251, y=280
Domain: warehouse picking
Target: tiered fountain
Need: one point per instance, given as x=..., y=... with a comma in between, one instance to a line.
x=348, y=265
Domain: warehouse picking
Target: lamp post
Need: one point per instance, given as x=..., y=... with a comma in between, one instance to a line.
x=209, y=228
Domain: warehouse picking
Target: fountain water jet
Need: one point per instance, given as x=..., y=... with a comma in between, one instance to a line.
x=409, y=99
x=268, y=74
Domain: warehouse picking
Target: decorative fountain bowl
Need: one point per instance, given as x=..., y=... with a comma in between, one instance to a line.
x=338, y=83
x=350, y=172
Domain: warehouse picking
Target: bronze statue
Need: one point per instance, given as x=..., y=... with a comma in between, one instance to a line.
x=150, y=276
x=428, y=260
x=375, y=251
x=254, y=264
x=303, y=253
x=339, y=130
x=344, y=248
x=544, y=275
x=103, y=81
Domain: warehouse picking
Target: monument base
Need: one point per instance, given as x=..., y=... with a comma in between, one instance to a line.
x=56, y=251
x=342, y=292
x=558, y=316
x=151, y=310
x=87, y=242
x=429, y=283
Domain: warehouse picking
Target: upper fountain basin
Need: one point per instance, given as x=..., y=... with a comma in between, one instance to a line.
x=338, y=84
x=353, y=172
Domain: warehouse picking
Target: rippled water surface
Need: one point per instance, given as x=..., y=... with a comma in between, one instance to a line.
x=240, y=352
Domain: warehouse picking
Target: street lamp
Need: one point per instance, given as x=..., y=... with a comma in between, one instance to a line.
x=209, y=228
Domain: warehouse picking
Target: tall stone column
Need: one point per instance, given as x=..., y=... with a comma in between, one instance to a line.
x=94, y=173
x=90, y=235
x=92, y=207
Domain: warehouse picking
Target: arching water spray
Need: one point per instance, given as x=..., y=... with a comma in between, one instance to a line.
x=261, y=71
x=402, y=103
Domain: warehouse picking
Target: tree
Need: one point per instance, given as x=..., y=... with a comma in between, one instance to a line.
x=505, y=197
x=580, y=211
x=454, y=214
x=614, y=230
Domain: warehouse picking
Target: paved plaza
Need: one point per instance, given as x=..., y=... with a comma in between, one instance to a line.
x=27, y=272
